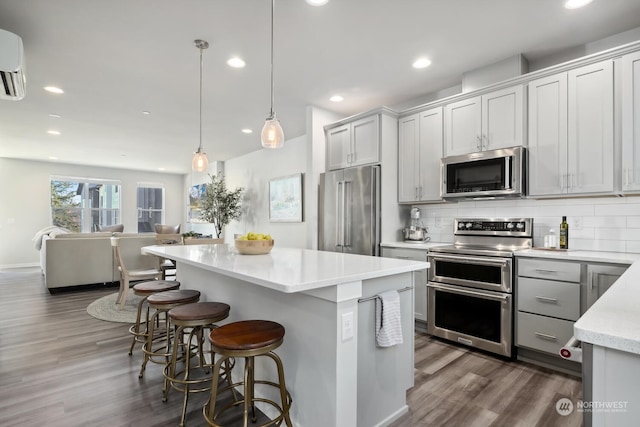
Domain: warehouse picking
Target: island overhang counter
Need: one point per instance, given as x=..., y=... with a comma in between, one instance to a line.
x=334, y=371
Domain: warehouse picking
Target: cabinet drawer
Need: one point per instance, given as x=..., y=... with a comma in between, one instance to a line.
x=550, y=270
x=542, y=333
x=551, y=298
x=401, y=253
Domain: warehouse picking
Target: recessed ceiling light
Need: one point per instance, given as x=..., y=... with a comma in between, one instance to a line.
x=336, y=98
x=53, y=158
x=575, y=4
x=53, y=132
x=247, y=131
x=161, y=169
x=146, y=113
x=53, y=89
x=317, y=2
x=236, y=62
x=421, y=63
x=55, y=116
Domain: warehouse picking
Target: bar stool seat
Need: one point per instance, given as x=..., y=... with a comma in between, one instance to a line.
x=144, y=289
x=248, y=339
x=157, y=348
x=180, y=374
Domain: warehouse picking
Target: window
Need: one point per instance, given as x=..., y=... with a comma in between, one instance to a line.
x=80, y=204
x=150, y=206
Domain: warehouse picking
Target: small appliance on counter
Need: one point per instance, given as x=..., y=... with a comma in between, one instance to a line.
x=416, y=232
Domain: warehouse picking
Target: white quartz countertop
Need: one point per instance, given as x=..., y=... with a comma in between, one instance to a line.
x=413, y=245
x=286, y=269
x=580, y=255
x=613, y=321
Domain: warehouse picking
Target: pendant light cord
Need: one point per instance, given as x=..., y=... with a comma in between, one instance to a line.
x=200, y=145
x=272, y=84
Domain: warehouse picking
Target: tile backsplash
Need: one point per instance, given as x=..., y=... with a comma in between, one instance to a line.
x=601, y=224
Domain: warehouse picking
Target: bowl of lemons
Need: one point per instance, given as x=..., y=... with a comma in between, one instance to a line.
x=254, y=244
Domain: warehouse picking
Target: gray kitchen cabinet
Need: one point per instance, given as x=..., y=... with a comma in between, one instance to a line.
x=354, y=144
x=419, y=277
x=547, y=303
x=419, y=151
x=487, y=122
x=571, y=132
x=553, y=294
x=631, y=122
x=600, y=277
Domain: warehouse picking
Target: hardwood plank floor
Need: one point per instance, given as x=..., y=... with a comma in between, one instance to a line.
x=61, y=367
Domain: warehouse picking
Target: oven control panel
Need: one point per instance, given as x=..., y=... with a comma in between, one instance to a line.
x=502, y=226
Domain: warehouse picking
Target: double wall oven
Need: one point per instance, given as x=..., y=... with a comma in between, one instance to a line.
x=470, y=284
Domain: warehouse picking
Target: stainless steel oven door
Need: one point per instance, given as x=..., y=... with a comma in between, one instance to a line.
x=490, y=273
x=476, y=318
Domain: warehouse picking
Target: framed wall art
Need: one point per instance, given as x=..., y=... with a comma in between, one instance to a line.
x=285, y=199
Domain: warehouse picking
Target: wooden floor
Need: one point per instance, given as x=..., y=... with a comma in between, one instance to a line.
x=61, y=367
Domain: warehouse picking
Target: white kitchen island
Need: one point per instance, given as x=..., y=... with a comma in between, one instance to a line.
x=334, y=371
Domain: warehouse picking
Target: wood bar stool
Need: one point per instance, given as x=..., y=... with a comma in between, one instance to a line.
x=180, y=373
x=157, y=348
x=144, y=289
x=248, y=339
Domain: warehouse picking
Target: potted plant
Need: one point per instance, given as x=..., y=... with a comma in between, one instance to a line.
x=220, y=206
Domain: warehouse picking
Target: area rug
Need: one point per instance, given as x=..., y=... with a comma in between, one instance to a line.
x=105, y=308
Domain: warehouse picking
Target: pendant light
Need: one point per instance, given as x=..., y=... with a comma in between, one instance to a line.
x=272, y=135
x=200, y=163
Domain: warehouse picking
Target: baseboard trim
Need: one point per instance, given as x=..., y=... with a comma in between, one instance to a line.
x=22, y=265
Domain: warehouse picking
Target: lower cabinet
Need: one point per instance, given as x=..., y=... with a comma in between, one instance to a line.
x=419, y=277
x=551, y=295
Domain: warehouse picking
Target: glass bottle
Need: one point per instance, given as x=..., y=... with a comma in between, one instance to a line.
x=564, y=233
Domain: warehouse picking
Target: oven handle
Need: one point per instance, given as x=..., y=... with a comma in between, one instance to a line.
x=468, y=292
x=465, y=259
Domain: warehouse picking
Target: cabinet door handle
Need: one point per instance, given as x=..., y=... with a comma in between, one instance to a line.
x=415, y=193
x=547, y=299
x=546, y=336
x=478, y=142
x=485, y=138
x=420, y=192
x=542, y=270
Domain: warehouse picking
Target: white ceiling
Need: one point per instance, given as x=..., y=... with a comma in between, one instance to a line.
x=116, y=58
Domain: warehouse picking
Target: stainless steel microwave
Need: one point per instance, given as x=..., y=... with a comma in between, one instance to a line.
x=485, y=174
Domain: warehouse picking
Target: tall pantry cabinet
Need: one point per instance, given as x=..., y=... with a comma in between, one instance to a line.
x=571, y=132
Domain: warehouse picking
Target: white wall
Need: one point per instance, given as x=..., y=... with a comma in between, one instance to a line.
x=602, y=224
x=253, y=172
x=25, y=202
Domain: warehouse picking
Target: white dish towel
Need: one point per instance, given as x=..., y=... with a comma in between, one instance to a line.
x=388, y=324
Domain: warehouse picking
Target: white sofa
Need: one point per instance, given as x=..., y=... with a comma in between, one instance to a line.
x=74, y=259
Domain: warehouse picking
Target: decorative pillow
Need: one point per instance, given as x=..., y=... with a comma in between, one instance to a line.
x=111, y=228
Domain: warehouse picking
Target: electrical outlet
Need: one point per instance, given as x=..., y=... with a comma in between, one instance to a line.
x=347, y=326
x=438, y=222
x=576, y=223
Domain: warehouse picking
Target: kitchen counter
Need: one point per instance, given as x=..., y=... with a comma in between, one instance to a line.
x=413, y=245
x=336, y=374
x=286, y=269
x=580, y=255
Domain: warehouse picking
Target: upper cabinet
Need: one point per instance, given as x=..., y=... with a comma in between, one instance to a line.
x=354, y=144
x=571, y=132
x=419, y=153
x=491, y=121
x=631, y=122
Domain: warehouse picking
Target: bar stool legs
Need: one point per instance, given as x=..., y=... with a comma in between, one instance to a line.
x=140, y=329
x=157, y=348
x=248, y=339
x=192, y=378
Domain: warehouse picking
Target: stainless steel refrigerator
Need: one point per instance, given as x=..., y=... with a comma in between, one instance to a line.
x=349, y=216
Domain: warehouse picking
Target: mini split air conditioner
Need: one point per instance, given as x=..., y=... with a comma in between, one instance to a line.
x=11, y=67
